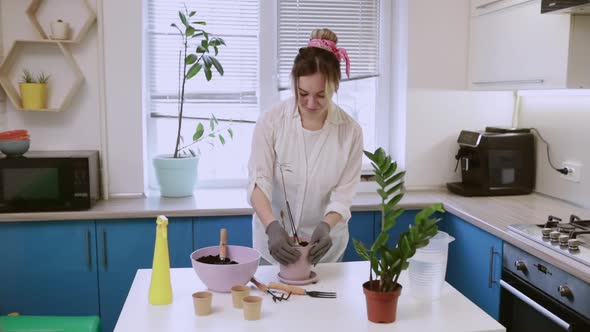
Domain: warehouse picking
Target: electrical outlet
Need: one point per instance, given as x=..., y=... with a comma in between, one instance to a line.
x=574, y=169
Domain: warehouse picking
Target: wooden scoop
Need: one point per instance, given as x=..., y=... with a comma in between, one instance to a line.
x=223, y=245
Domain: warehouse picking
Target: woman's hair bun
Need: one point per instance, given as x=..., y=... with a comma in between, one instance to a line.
x=324, y=34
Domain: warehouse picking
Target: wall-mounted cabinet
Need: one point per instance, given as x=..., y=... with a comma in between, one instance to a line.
x=513, y=46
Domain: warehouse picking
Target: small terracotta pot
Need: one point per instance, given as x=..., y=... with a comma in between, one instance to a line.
x=381, y=306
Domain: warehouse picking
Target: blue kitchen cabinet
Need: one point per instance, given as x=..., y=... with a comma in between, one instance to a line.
x=206, y=230
x=475, y=263
x=360, y=227
x=127, y=245
x=48, y=268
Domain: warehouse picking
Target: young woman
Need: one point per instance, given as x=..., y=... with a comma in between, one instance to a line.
x=319, y=148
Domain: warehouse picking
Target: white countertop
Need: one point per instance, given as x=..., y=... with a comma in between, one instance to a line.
x=452, y=312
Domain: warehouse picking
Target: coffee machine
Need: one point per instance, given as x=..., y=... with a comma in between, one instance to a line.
x=495, y=162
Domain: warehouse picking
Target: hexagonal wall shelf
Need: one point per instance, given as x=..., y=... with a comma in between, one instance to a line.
x=57, y=61
x=79, y=29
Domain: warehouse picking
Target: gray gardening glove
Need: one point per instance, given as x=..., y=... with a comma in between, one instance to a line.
x=320, y=236
x=280, y=245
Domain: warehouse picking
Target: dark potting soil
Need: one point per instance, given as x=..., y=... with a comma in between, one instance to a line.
x=215, y=260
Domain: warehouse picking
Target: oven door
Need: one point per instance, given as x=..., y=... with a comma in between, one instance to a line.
x=524, y=308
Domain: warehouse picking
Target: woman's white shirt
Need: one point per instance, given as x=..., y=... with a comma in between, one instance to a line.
x=318, y=179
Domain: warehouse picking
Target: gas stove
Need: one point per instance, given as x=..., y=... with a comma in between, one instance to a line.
x=570, y=237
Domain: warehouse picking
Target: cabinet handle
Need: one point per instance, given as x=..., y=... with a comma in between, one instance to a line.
x=88, y=256
x=491, y=280
x=488, y=4
x=538, y=81
x=104, y=250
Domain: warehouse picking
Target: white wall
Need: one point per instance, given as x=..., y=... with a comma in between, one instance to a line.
x=106, y=113
x=563, y=121
x=125, y=122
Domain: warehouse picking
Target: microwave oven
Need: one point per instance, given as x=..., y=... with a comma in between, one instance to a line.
x=49, y=181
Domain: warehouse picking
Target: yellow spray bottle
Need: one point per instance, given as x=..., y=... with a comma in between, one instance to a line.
x=160, y=287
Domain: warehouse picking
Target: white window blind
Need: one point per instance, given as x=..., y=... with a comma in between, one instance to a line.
x=232, y=96
x=356, y=23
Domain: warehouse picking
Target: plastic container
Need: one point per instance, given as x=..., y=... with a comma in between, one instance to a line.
x=428, y=268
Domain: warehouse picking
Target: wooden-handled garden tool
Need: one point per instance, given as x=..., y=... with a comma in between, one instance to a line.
x=223, y=245
x=265, y=289
x=301, y=291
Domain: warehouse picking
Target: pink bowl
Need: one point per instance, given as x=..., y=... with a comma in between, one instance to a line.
x=221, y=278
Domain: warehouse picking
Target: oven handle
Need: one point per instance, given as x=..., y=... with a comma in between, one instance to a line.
x=535, y=305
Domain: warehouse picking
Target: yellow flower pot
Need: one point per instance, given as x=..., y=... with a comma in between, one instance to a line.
x=33, y=95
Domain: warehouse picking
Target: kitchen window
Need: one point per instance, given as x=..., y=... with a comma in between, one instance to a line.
x=262, y=40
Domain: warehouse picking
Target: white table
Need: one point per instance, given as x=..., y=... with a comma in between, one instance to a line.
x=452, y=312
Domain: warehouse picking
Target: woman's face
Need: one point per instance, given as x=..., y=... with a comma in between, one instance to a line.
x=312, y=97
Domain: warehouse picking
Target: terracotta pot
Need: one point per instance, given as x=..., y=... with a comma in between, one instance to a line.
x=381, y=306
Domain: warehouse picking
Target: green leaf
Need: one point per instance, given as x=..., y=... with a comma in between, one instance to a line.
x=199, y=132
x=391, y=217
x=208, y=73
x=200, y=22
x=190, y=59
x=405, y=245
x=379, y=157
x=191, y=14
x=392, y=202
x=200, y=49
x=390, y=170
x=380, y=241
x=230, y=132
x=395, y=188
x=212, y=124
x=382, y=193
x=183, y=18
x=222, y=140
x=205, y=44
x=395, y=178
x=385, y=165
x=369, y=155
x=194, y=70
x=212, y=135
x=189, y=31
x=216, y=50
x=217, y=65
x=360, y=249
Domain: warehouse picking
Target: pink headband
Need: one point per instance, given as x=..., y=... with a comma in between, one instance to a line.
x=330, y=46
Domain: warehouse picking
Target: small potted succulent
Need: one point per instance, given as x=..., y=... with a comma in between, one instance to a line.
x=177, y=172
x=33, y=90
x=388, y=261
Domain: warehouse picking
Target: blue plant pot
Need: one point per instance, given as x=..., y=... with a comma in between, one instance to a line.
x=177, y=176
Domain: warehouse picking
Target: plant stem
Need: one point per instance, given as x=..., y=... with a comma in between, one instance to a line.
x=181, y=97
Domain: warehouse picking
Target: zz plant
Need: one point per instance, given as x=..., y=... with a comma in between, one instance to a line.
x=387, y=262
x=192, y=61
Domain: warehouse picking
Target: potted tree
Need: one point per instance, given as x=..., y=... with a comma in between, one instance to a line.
x=388, y=261
x=177, y=173
x=33, y=91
